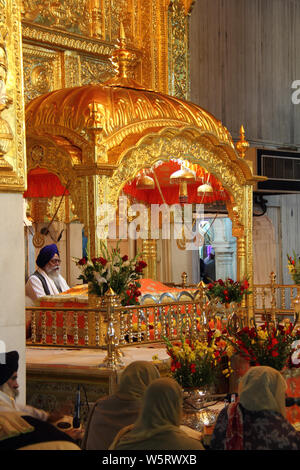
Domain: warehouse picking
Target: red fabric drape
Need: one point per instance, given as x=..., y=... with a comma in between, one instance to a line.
x=41, y=183
x=171, y=191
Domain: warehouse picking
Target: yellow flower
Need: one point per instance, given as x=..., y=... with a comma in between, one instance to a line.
x=230, y=351
x=262, y=334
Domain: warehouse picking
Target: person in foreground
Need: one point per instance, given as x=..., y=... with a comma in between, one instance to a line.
x=257, y=420
x=46, y=280
x=158, y=425
x=112, y=413
x=23, y=426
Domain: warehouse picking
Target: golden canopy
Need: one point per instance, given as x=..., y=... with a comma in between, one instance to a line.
x=120, y=115
x=99, y=136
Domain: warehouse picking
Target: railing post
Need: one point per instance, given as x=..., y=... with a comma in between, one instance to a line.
x=113, y=357
x=273, y=297
x=296, y=304
x=184, y=279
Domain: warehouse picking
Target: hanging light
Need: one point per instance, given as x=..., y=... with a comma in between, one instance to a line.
x=205, y=188
x=183, y=177
x=145, y=182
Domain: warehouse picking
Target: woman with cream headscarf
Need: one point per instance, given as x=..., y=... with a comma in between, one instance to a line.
x=257, y=421
x=158, y=425
x=112, y=413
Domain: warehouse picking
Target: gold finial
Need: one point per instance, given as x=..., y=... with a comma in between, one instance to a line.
x=122, y=60
x=122, y=36
x=242, y=145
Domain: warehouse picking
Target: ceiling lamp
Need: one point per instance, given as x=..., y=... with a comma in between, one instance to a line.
x=183, y=177
x=145, y=182
x=205, y=188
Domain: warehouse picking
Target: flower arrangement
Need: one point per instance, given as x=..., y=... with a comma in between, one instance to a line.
x=265, y=345
x=228, y=291
x=111, y=270
x=198, y=363
x=294, y=267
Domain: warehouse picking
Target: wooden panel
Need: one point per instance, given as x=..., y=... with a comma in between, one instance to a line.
x=244, y=58
x=287, y=227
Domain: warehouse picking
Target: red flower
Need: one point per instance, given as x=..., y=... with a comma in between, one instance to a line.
x=142, y=264
x=246, y=284
x=275, y=353
x=193, y=368
x=82, y=261
x=225, y=292
x=124, y=258
x=102, y=261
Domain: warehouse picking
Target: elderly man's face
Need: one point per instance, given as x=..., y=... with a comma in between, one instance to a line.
x=13, y=384
x=53, y=265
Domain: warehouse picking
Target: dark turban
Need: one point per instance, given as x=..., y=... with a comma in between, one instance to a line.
x=9, y=363
x=46, y=254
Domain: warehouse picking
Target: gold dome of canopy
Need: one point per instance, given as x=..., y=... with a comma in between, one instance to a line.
x=118, y=113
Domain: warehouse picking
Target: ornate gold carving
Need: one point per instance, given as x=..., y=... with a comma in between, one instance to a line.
x=94, y=71
x=12, y=174
x=5, y=102
x=58, y=162
x=129, y=113
x=178, y=49
x=242, y=145
x=43, y=35
x=42, y=71
x=196, y=148
x=67, y=15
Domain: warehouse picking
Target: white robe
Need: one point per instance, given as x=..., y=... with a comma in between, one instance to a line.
x=34, y=287
x=8, y=403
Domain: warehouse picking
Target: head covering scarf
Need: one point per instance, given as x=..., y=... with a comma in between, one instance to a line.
x=46, y=254
x=110, y=414
x=261, y=388
x=135, y=379
x=9, y=363
x=161, y=411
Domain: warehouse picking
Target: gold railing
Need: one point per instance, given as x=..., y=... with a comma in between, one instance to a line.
x=92, y=326
x=277, y=301
x=111, y=326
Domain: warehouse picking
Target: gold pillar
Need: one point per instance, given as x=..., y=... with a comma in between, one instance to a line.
x=149, y=253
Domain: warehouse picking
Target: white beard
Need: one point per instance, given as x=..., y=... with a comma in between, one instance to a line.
x=54, y=275
x=11, y=392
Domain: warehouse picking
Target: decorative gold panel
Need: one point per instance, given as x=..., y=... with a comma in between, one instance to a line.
x=68, y=15
x=42, y=71
x=179, y=85
x=94, y=71
x=158, y=35
x=12, y=133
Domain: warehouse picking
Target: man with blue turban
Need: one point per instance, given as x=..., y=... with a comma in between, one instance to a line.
x=46, y=280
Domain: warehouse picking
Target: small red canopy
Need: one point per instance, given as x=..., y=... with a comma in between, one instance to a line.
x=170, y=190
x=42, y=183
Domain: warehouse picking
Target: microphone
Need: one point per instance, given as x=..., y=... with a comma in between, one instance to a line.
x=290, y=401
x=76, y=418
